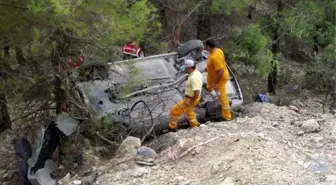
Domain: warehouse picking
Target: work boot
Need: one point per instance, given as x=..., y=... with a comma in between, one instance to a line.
x=172, y=129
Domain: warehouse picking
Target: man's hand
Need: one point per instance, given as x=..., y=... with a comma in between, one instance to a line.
x=213, y=87
x=206, y=87
x=188, y=103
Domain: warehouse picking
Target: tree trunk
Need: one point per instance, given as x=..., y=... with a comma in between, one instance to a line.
x=249, y=15
x=6, y=51
x=5, y=122
x=59, y=92
x=204, y=22
x=272, y=77
x=20, y=56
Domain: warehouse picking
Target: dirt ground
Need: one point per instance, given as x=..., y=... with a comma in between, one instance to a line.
x=266, y=146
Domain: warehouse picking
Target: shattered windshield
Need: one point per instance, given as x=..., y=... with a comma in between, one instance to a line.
x=152, y=69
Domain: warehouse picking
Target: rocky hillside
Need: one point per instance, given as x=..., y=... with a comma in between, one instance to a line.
x=268, y=145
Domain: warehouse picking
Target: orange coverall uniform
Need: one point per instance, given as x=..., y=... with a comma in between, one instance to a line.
x=216, y=61
x=195, y=82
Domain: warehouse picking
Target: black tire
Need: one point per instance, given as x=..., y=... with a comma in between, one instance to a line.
x=190, y=46
x=23, y=152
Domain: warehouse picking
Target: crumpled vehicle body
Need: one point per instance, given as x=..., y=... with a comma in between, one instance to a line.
x=136, y=96
x=36, y=166
x=139, y=93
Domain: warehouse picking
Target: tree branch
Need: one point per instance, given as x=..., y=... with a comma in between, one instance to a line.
x=107, y=140
x=12, y=5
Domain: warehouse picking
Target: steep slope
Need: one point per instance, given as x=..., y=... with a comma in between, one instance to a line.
x=266, y=146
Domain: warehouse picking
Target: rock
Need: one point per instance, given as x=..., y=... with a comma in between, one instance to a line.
x=331, y=178
x=6, y=183
x=275, y=124
x=128, y=148
x=182, y=142
x=310, y=126
x=163, y=142
x=331, y=139
x=300, y=133
x=297, y=103
x=77, y=182
x=66, y=180
x=203, y=126
x=5, y=176
x=306, y=165
x=294, y=108
x=2, y=172
x=296, y=123
x=300, y=163
x=214, y=168
x=228, y=181
x=145, y=156
x=180, y=178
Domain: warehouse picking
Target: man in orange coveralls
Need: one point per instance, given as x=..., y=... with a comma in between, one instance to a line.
x=217, y=76
x=191, y=98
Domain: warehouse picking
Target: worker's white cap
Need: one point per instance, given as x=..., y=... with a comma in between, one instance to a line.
x=189, y=63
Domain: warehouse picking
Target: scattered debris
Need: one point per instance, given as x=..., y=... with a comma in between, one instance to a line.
x=247, y=150
x=91, y=178
x=145, y=156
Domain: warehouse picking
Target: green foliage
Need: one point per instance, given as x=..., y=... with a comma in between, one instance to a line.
x=36, y=41
x=251, y=46
x=48, y=32
x=104, y=23
x=300, y=22
x=135, y=80
x=106, y=124
x=232, y=5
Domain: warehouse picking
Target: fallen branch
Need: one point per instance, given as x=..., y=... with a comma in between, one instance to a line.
x=199, y=144
x=107, y=140
x=123, y=161
x=204, y=143
x=116, y=164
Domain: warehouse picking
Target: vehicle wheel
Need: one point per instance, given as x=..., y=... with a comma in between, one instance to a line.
x=189, y=46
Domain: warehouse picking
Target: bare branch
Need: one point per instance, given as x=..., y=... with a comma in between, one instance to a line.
x=107, y=140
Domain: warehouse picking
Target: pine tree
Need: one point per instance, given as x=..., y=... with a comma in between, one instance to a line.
x=38, y=36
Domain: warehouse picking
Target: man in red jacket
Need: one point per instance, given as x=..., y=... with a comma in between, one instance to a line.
x=131, y=49
x=74, y=64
